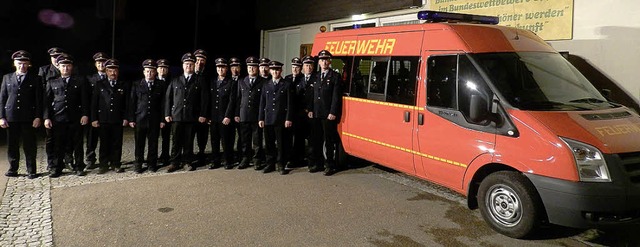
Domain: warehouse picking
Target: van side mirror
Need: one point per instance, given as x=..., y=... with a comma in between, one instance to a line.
x=478, y=111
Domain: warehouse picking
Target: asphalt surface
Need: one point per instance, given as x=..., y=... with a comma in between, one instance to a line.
x=366, y=206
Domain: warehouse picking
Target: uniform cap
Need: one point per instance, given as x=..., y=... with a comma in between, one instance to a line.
x=64, y=59
x=112, y=63
x=234, y=61
x=21, y=55
x=162, y=63
x=275, y=65
x=55, y=51
x=308, y=59
x=221, y=62
x=252, y=61
x=100, y=56
x=188, y=57
x=324, y=54
x=149, y=63
x=264, y=61
x=296, y=61
x=200, y=53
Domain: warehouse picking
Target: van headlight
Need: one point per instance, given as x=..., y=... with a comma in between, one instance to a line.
x=591, y=164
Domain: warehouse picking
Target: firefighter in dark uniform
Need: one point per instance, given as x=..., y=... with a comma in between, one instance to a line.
x=201, y=130
x=325, y=111
x=248, y=102
x=299, y=116
x=146, y=116
x=221, y=110
x=304, y=95
x=21, y=112
x=164, y=78
x=183, y=104
x=276, y=115
x=109, y=112
x=47, y=73
x=235, y=66
x=92, y=133
x=66, y=110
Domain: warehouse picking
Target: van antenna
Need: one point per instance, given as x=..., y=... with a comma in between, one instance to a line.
x=513, y=5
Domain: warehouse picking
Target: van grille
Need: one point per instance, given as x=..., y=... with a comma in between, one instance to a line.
x=631, y=164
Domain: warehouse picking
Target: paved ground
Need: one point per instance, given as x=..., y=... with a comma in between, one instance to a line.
x=361, y=207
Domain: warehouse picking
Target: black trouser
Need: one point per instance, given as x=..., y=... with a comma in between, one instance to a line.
x=201, y=133
x=67, y=146
x=277, y=141
x=300, y=136
x=166, y=142
x=225, y=135
x=251, y=139
x=324, y=136
x=50, y=149
x=92, y=143
x=182, y=146
x=141, y=135
x=27, y=134
x=110, y=145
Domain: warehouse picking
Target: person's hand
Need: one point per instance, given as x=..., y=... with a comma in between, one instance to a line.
x=125, y=123
x=237, y=119
x=132, y=124
x=3, y=123
x=95, y=124
x=331, y=117
x=84, y=120
x=310, y=114
x=261, y=124
x=48, y=124
x=288, y=124
x=226, y=121
x=36, y=123
x=161, y=125
x=168, y=119
x=202, y=119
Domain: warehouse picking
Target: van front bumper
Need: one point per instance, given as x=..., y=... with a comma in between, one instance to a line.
x=588, y=205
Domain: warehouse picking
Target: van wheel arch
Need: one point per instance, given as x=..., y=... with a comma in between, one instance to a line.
x=481, y=174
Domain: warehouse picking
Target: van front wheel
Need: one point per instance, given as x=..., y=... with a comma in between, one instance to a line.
x=509, y=204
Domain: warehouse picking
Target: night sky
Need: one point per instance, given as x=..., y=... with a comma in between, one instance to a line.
x=143, y=29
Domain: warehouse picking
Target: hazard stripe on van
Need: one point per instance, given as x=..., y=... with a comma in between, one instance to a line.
x=382, y=103
x=451, y=162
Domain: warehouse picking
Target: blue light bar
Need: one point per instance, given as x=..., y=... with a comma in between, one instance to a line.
x=436, y=16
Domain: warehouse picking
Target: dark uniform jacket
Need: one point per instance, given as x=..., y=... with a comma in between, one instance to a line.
x=275, y=102
x=220, y=99
x=184, y=100
x=21, y=102
x=93, y=79
x=109, y=104
x=248, y=99
x=327, y=96
x=145, y=107
x=48, y=72
x=300, y=95
x=66, y=102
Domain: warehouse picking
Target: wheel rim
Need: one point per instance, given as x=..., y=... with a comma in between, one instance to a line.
x=504, y=205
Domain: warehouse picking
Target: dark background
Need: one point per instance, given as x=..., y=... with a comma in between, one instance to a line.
x=143, y=29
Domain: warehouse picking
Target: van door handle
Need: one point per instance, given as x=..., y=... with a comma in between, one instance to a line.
x=407, y=116
x=420, y=119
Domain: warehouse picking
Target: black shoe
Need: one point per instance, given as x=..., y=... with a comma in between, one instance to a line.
x=243, y=165
x=138, y=168
x=172, y=168
x=32, y=175
x=228, y=166
x=329, y=171
x=80, y=173
x=314, y=169
x=268, y=169
x=153, y=168
x=91, y=165
x=119, y=170
x=103, y=170
x=192, y=167
x=55, y=174
x=214, y=165
x=11, y=174
x=283, y=170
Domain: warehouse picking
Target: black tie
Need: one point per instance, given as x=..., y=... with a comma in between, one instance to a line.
x=306, y=78
x=251, y=80
x=66, y=81
x=188, y=77
x=322, y=78
x=101, y=76
x=113, y=83
x=19, y=78
x=149, y=85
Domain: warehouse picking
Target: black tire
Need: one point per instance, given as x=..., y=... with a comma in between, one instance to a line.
x=510, y=204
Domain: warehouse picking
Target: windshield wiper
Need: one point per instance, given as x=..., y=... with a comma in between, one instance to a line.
x=588, y=100
x=550, y=105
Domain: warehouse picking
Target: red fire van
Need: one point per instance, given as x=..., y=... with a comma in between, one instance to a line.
x=492, y=112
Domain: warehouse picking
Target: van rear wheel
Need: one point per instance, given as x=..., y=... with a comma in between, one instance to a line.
x=509, y=204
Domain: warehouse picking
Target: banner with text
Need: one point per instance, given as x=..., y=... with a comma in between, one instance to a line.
x=550, y=19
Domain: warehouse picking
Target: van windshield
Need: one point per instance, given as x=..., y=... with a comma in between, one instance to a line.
x=540, y=81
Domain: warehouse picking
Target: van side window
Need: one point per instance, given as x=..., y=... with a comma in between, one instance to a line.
x=441, y=85
x=453, y=81
x=388, y=79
